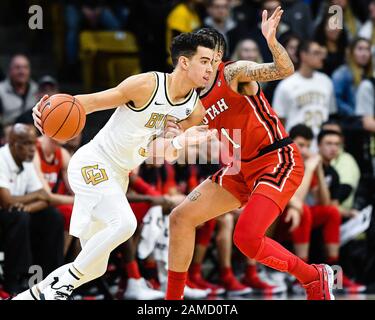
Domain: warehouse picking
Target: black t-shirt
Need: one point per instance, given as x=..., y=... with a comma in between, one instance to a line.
x=333, y=181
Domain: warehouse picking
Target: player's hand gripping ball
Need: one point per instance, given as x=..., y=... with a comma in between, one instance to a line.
x=62, y=117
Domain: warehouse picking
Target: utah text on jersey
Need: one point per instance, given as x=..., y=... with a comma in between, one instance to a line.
x=215, y=110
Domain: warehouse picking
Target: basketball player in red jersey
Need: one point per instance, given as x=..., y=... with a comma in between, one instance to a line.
x=264, y=174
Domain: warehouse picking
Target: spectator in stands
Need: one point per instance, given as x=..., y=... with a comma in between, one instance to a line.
x=307, y=96
x=244, y=13
x=46, y=85
x=367, y=30
x=183, y=18
x=352, y=12
x=365, y=108
x=219, y=17
x=334, y=40
x=347, y=169
x=346, y=78
x=17, y=91
x=320, y=193
x=247, y=49
x=33, y=230
x=298, y=18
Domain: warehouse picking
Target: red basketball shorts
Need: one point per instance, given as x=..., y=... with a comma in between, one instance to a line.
x=276, y=175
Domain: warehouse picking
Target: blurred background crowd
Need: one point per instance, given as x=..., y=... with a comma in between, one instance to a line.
x=327, y=106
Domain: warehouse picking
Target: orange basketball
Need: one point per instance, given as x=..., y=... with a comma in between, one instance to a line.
x=63, y=117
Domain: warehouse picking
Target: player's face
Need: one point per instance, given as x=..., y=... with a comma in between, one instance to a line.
x=330, y=146
x=200, y=67
x=303, y=146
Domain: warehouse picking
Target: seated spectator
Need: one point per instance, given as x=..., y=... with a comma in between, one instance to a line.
x=365, y=108
x=46, y=85
x=183, y=18
x=347, y=77
x=17, y=91
x=298, y=18
x=307, y=96
x=244, y=12
x=247, y=49
x=33, y=230
x=367, y=30
x=314, y=204
x=352, y=14
x=219, y=18
x=347, y=169
x=335, y=42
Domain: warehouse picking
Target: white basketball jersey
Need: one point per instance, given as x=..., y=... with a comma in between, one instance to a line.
x=125, y=137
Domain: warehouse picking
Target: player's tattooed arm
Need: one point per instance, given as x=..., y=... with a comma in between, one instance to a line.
x=281, y=67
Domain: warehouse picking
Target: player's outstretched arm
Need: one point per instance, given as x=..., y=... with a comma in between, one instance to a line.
x=281, y=67
x=137, y=88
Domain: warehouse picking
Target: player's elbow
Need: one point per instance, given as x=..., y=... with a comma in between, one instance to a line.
x=289, y=70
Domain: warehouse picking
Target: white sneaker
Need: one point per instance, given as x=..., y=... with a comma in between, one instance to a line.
x=190, y=293
x=137, y=289
x=56, y=291
x=30, y=294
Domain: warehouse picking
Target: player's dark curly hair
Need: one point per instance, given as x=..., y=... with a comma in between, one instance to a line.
x=186, y=44
x=218, y=38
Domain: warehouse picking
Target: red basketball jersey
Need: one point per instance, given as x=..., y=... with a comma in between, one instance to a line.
x=227, y=110
x=51, y=170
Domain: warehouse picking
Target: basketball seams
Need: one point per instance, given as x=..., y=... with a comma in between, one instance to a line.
x=45, y=104
x=43, y=120
x=70, y=110
x=79, y=119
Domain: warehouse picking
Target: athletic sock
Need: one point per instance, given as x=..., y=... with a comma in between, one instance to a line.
x=176, y=285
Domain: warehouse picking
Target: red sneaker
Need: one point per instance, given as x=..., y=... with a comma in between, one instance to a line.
x=260, y=286
x=233, y=287
x=352, y=287
x=203, y=284
x=321, y=289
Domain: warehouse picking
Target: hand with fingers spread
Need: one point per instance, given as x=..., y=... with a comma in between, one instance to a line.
x=37, y=114
x=269, y=25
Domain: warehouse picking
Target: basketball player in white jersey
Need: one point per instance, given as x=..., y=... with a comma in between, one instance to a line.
x=98, y=172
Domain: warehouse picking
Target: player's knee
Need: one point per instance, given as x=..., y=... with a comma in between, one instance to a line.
x=125, y=228
x=179, y=218
x=247, y=242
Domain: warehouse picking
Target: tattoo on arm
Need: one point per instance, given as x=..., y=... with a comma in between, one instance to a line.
x=194, y=195
x=251, y=71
